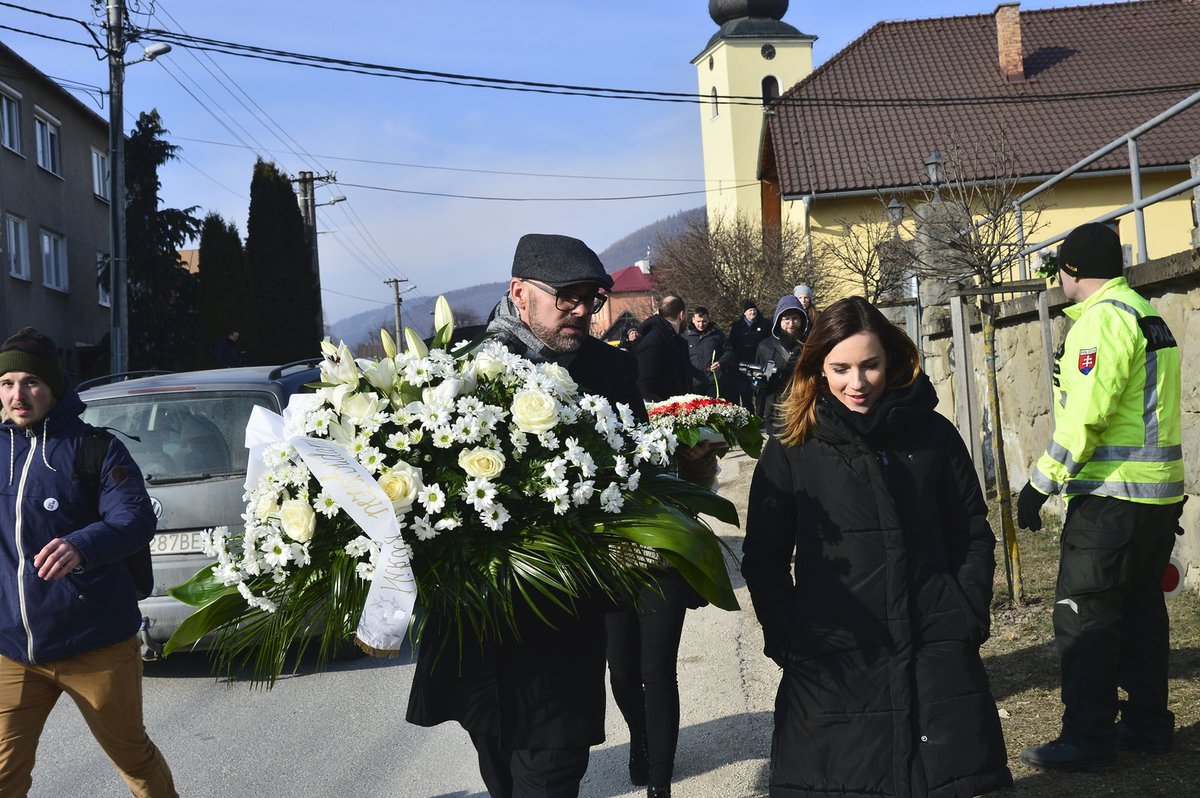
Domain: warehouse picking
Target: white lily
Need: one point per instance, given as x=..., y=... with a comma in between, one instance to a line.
x=389, y=344
x=416, y=346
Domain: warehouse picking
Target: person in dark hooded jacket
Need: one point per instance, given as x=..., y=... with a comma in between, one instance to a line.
x=871, y=497
x=711, y=357
x=69, y=614
x=780, y=349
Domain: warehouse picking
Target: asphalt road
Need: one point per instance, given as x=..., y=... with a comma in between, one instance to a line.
x=342, y=732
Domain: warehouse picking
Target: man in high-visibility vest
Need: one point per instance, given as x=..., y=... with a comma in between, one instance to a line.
x=1116, y=458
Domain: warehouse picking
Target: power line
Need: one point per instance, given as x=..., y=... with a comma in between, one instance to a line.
x=468, y=170
x=529, y=199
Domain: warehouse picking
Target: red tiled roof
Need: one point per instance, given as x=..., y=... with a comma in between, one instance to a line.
x=631, y=279
x=872, y=114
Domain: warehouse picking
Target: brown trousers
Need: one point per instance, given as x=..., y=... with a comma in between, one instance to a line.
x=106, y=685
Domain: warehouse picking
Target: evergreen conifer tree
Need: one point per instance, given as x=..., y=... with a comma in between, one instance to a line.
x=226, y=292
x=286, y=291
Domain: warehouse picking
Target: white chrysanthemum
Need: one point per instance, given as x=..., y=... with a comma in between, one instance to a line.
x=611, y=499
x=469, y=406
x=582, y=493
x=318, y=420
x=443, y=436
x=480, y=493
x=371, y=459
x=447, y=523
x=621, y=466
x=549, y=440
x=625, y=413
x=360, y=546
x=556, y=470
x=432, y=498
x=417, y=373
x=325, y=505
x=227, y=573
x=423, y=529
x=365, y=571
x=494, y=517
x=397, y=441
x=276, y=552
x=260, y=602
x=634, y=480
x=519, y=441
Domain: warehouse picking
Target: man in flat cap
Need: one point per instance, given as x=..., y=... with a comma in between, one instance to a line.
x=68, y=613
x=1116, y=459
x=533, y=703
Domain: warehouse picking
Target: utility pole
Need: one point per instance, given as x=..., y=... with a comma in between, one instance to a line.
x=119, y=328
x=306, y=181
x=395, y=284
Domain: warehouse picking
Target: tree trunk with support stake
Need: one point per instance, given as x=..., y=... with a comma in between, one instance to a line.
x=1012, y=554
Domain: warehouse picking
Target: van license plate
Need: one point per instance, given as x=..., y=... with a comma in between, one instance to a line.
x=177, y=543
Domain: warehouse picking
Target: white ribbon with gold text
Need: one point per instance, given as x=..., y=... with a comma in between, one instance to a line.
x=393, y=592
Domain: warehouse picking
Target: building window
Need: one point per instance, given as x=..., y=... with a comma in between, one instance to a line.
x=770, y=89
x=713, y=100
x=49, y=155
x=16, y=247
x=103, y=276
x=10, y=118
x=100, y=175
x=54, y=261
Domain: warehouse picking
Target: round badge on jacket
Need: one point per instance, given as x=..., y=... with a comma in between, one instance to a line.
x=50, y=504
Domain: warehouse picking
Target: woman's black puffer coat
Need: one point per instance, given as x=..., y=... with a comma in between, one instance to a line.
x=883, y=690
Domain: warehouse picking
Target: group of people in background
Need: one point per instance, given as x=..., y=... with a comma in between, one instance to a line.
x=868, y=553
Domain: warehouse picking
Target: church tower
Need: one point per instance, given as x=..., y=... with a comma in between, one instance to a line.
x=752, y=59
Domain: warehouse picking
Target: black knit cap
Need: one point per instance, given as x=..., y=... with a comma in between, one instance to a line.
x=558, y=261
x=749, y=303
x=32, y=350
x=1092, y=250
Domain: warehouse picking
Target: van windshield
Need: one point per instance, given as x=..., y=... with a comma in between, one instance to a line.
x=182, y=437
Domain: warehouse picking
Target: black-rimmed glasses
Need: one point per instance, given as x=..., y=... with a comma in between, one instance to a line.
x=567, y=301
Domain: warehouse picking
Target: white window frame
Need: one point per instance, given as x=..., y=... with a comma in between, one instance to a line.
x=10, y=117
x=48, y=132
x=16, y=246
x=54, y=260
x=103, y=292
x=100, y=175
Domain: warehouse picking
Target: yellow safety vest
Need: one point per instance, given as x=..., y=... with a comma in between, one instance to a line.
x=1117, y=423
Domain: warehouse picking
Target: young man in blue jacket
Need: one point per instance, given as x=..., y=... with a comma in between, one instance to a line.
x=68, y=602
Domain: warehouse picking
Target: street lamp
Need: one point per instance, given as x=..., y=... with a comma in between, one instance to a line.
x=895, y=214
x=936, y=171
x=117, y=272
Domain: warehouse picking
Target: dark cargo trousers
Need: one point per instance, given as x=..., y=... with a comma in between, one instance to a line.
x=1110, y=618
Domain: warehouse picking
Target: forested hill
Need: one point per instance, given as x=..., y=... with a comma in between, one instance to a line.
x=473, y=304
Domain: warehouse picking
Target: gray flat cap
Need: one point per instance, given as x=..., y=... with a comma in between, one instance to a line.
x=558, y=260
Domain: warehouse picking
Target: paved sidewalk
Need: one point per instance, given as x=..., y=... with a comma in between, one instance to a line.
x=727, y=691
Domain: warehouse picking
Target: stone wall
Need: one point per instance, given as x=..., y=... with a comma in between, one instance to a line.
x=1172, y=284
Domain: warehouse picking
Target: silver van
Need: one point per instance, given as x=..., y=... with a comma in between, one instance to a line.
x=187, y=433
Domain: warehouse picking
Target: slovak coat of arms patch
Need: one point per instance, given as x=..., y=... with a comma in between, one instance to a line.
x=1087, y=360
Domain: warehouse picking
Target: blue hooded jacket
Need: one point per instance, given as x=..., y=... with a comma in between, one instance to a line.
x=41, y=499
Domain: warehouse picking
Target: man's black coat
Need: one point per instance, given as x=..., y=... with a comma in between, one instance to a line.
x=545, y=690
x=664, y=368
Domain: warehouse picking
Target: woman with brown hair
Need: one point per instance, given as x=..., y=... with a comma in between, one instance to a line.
x=870, y=495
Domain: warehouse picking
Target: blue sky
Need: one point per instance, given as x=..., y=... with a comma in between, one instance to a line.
x=435, y=138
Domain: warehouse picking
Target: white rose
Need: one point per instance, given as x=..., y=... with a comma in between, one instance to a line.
x=561, y=378
x=266, y=507
x=401, y=484
x=487, y=366
x=481, y=462
x=298, y=520
x=534, y=411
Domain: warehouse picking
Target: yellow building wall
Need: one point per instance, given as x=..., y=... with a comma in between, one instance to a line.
x=1168, y=223
x=731, y=131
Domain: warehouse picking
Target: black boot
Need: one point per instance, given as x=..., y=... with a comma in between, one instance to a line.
x=1062, y=755
x=659, y=792
x=639, y=761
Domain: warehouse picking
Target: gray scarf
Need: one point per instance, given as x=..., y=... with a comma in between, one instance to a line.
x=520, y=340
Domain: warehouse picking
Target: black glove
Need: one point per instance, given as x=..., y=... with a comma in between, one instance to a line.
x=1029, y=505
